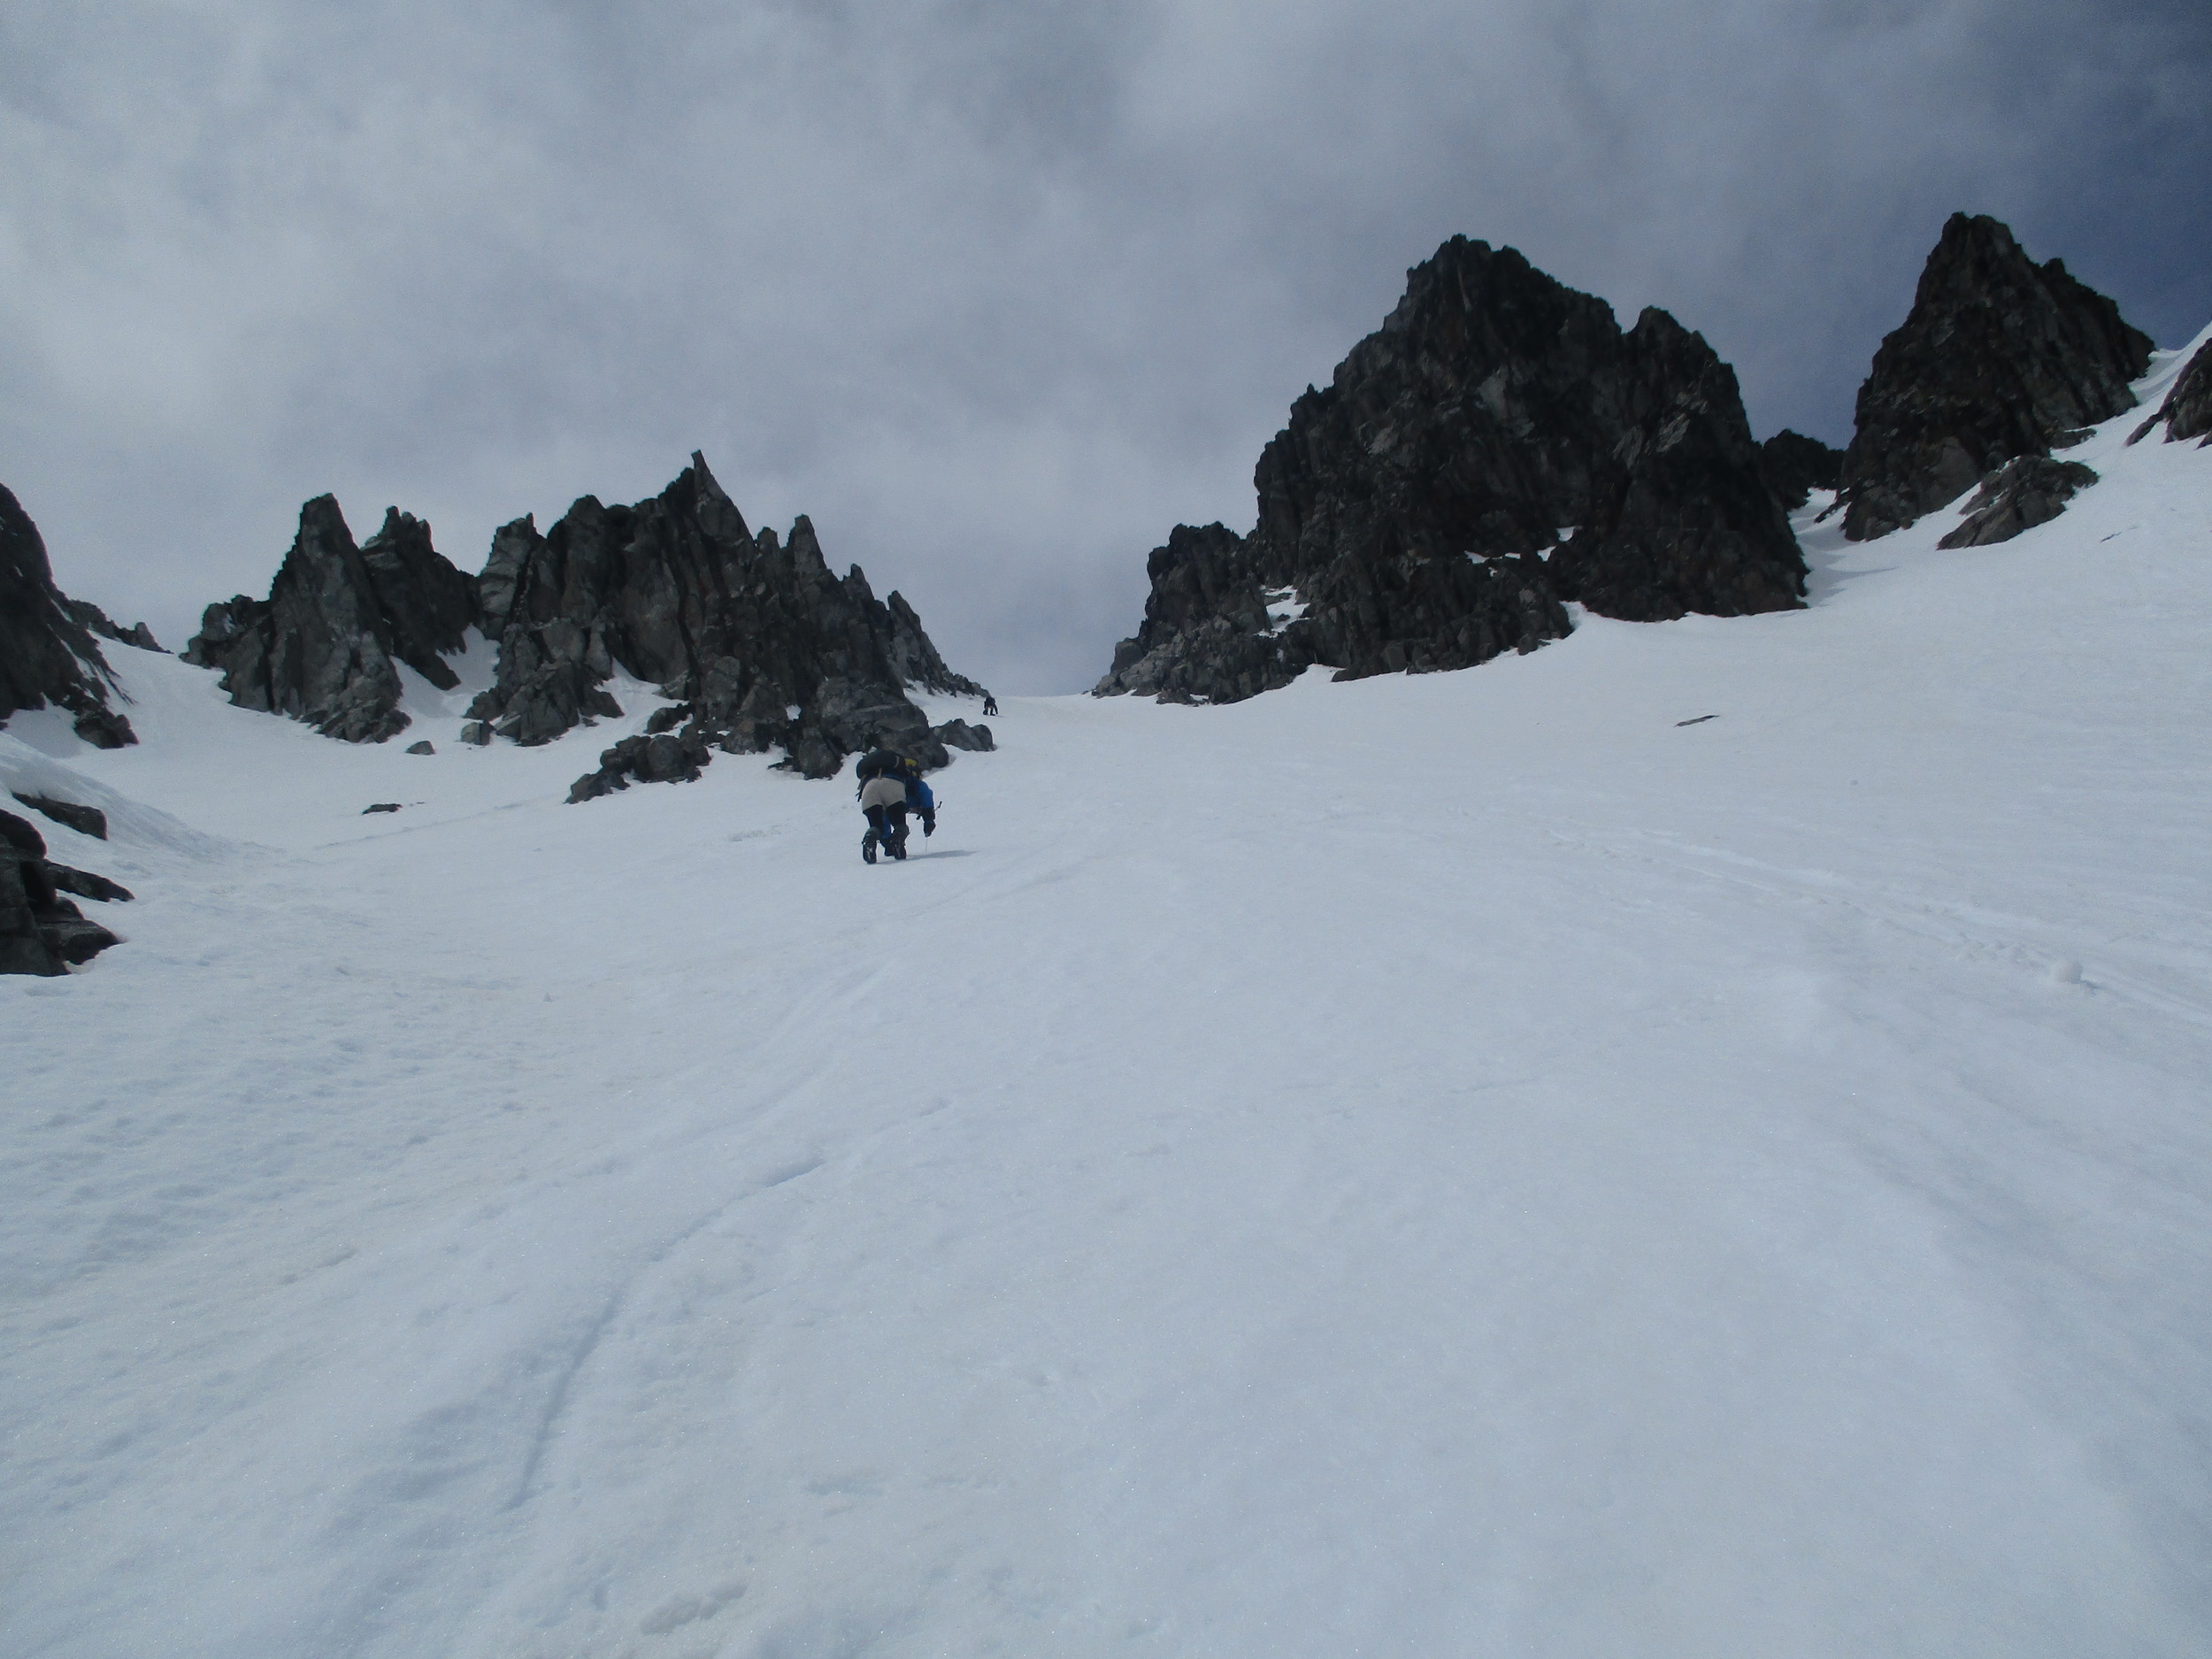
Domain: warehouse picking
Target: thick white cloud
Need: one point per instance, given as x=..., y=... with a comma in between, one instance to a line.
x=997, y=291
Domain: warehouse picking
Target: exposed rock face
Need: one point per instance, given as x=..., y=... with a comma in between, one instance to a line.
x=138, y=634
x=765, y=647
x=1405, y=511
x=2023, y=493
x=427, y=605
x=40, y=931
x=322, y=646
x=47, y=653
x=1796, y=465
x=2000, y=357
x=86, y=820
x=2188, y=410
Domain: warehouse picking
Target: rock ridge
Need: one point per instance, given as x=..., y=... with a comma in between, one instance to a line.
x=48, y=654
x=1498, y=448
x=760, y=645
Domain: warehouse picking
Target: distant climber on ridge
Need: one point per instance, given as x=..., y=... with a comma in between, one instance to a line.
x=889, y=787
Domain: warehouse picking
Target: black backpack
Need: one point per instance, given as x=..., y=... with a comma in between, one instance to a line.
x=882, y=762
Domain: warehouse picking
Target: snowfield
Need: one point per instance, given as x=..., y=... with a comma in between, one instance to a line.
x=1456, y=1165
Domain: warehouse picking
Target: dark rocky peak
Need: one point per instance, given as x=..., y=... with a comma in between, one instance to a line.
x=2188, y=410
x=322, y=646
x=1796, y=465
x=762, y=644
x=48, y=654
x=1408, y=515
x=428, y=604
x=2000, y=357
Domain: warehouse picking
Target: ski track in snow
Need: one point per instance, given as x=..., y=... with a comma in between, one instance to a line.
x=1447, y=1164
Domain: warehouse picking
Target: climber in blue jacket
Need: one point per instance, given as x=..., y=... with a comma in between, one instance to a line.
x=890, y=786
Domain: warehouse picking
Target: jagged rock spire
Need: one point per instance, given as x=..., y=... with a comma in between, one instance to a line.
x=322, y=646
x=2000, y=357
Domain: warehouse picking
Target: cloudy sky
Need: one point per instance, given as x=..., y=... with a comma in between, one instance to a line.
x=996, y=290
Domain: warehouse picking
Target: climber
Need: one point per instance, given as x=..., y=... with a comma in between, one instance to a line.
x=890, y=787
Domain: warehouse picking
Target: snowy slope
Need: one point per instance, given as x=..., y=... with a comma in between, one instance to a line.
x=1442, y=1165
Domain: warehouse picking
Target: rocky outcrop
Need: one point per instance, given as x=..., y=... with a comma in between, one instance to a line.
x=959, y=734
x=2000, y=357
x=40, y=931
x=2188, y=410
x=1796, y=465
x=2018, y=495
x=323, y=646
x=138, y=636
x=657, y=758
x=47, y=653
x=1499, y=447
x=86, y=820
x=760, y=643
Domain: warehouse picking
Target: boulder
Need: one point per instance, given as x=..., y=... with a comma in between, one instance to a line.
x=1411, y=516
x=86, y=820
x=2027, y=491
x=48, y=655
x=423, y=748
x=960, y=734
x=477, y=733
x=2000, y=357
x=2188, y=410
x=662, y=757
x=40, y=931
x=323, y=646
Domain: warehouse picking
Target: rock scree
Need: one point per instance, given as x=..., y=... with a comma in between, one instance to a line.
x=322, y=647
x=1498, y=447
x=48, y=654
x=2000, y=357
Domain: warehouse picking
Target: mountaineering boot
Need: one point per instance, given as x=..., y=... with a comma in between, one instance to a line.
x=868, y=848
